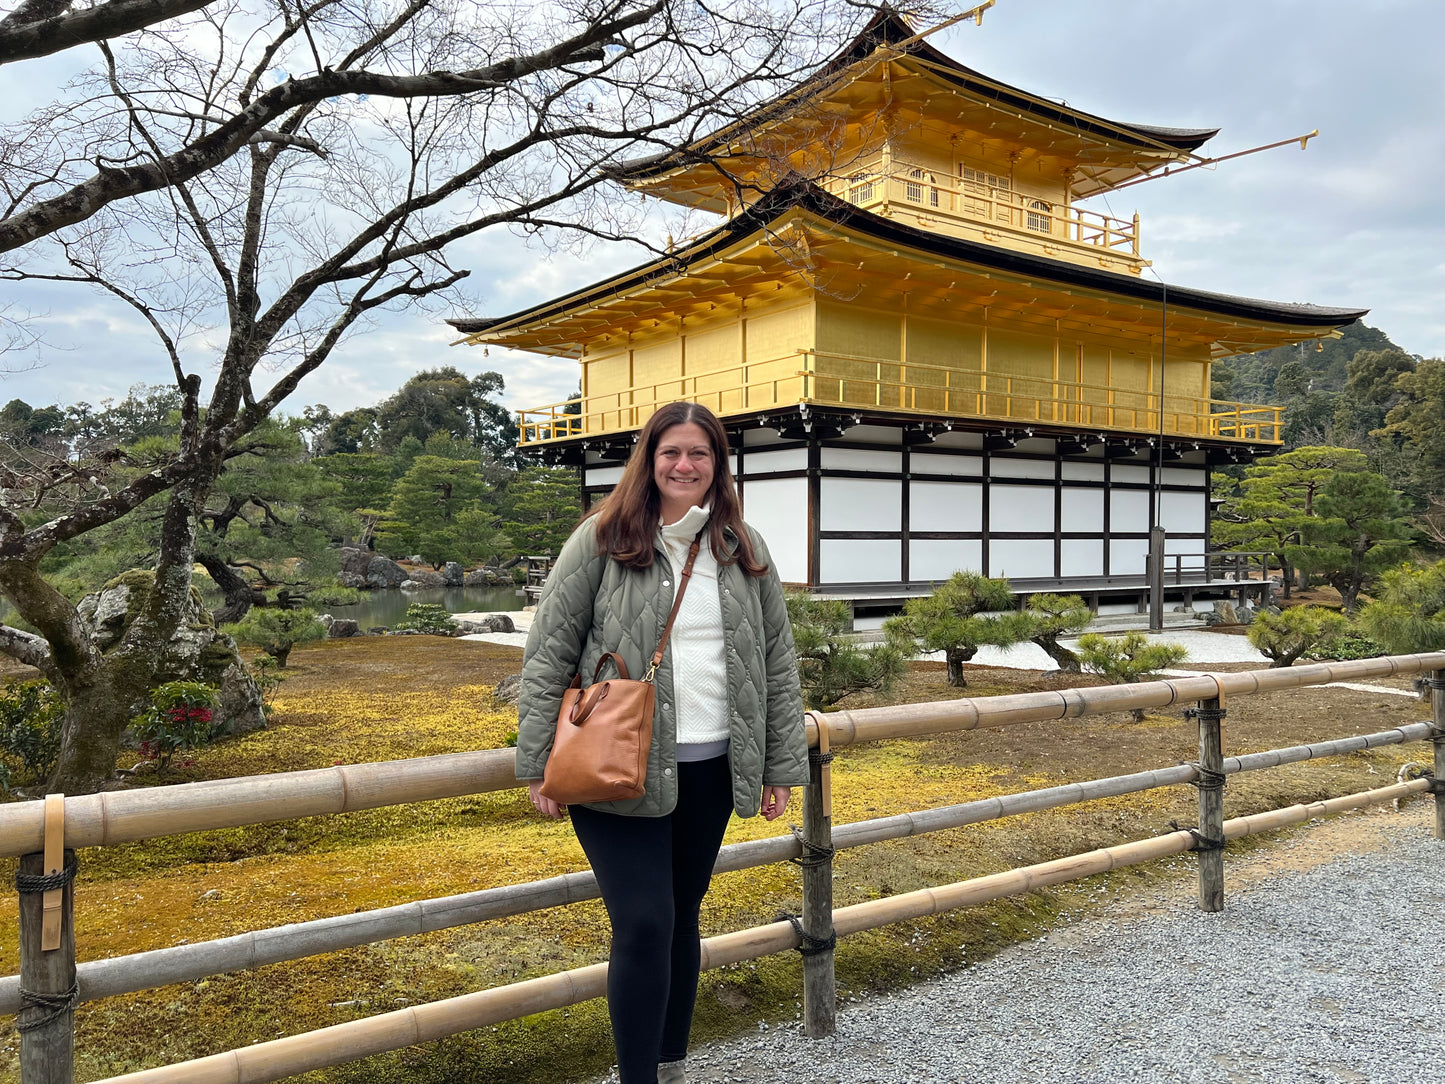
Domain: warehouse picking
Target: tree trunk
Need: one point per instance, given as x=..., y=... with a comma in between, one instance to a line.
x=238, y=593
x=1286, y=576
x=280, y=654
x=98, y=708
x=1067, y=660
x=956, y=657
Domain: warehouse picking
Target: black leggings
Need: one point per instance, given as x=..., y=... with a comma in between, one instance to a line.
x=654, y=872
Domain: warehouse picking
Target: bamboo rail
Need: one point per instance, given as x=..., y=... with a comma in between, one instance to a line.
x=355, y=1039
x=188, y=963
x=916, y=720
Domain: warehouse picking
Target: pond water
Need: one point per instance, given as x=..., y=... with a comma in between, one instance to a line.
x=387, y=607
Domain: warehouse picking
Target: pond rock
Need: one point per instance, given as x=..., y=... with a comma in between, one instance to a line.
x=453, y=575
x=343, y=628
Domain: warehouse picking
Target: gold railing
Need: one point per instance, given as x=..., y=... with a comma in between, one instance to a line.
x=930, y=192
x=935, y=391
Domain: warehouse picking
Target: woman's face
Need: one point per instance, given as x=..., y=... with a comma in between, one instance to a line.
x=682, y=469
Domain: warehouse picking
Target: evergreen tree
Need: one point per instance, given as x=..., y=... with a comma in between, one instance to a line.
x=1057, y=616
x=1127, y=659
x=436, y=512
x=965, y=612
x=831, y=664
x=1407, y=614
x=539, y=509
x=1357, y=533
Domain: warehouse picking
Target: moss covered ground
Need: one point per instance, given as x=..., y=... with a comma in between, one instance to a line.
x=386, y=698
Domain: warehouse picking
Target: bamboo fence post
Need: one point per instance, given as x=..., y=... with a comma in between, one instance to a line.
x=1210, y=836
x=48, y=989
x=1435, y=682
x=820, y=987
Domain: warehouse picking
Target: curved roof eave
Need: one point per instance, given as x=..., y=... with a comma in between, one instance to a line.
x=832, y=209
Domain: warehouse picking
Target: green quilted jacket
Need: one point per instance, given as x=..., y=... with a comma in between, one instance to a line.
x=592, y=605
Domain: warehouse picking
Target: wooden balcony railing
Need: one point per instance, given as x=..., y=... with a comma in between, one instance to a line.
x=981, y=202
x=933, y=391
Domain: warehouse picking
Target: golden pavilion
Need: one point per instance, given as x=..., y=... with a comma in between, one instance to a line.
x=929, y=353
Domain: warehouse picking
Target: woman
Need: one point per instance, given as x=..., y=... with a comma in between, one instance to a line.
x=728, y=730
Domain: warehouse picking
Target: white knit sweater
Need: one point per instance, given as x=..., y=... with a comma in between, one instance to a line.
x=699, y=669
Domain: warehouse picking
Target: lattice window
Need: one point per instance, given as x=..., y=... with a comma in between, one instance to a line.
x=1041, y=216
x=861, y=187
x=921, y=187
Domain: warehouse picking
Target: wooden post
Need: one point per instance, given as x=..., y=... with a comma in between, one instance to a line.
x=47, y=975
x=820, y=987
x=1210, y=714
x=1435, y=682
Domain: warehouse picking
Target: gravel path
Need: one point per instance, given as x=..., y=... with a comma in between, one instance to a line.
x=1315, y=973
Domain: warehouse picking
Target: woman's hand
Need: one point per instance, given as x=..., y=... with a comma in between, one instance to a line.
x=775, y=800
x=551, y=808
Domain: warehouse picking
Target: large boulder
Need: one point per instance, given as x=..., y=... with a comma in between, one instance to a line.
x=499, y=623
x=423, y=577
x=384, y=572
x=343, y=628
x=453, y=575
x=197, y=652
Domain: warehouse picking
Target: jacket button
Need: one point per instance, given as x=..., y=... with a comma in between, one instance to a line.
x=666, y=583
x=667, y=772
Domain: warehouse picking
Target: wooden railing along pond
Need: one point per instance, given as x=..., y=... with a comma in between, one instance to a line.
x=47, y=833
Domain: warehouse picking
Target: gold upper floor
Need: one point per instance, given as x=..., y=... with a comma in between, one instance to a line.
x=903, y=130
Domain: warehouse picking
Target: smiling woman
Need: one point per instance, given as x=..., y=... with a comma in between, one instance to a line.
x=727, y=734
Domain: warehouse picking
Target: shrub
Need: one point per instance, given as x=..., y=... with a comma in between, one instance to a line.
x=1289, y=634
x=832, y=665
x=276, y=632
x=31, y=716
x=334, y=595
x=1350, y=645
x=426, y=617
x=1127, y=659
x=179, y=717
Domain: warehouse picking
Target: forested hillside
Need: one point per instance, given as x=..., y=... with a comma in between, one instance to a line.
x=1360, y=392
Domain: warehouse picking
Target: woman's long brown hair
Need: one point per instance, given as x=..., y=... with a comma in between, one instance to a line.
x=627, y=517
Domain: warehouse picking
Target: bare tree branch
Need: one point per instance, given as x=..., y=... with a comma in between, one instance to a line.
x=205, y=153
x=42, y=27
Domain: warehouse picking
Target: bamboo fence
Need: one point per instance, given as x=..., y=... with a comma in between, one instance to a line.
x=295, y=1054
x=98, y=820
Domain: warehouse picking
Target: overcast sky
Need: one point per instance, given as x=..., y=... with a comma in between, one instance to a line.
x=1354, y=221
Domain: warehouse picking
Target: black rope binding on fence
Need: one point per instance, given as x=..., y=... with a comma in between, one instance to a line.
x=1201, y=841
x=1208, y=778
x=810, y=945
x=1437, y=786
x=1430, y=681
x=28, y=883
x=814, y=854
x=815, y=757
x=1207, y=715
x=57, y=1004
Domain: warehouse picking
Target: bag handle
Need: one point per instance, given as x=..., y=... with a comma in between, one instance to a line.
x=676, y=605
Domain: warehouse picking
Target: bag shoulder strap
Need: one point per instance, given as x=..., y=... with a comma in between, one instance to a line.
x=676, y=604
